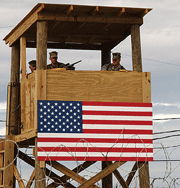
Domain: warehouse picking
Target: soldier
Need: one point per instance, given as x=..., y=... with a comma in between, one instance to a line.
x=32, y=67
x=54, y=63
x=115, y=66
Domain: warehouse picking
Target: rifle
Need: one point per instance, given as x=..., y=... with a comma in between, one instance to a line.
x=71, y=66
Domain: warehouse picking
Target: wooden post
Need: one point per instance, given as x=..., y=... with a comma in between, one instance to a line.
x=106, y=181
x=42, y=29
x=105, y=56
x=15, y=90
x=40, y=65
x=136, y=48
x=8, y=162
x=137, y=66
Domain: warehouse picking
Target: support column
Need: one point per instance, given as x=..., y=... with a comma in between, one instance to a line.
x=15, y=91
x=137, y=66
x=106, y=181
x=136, y=48
x=105, y=56
x=41, y=64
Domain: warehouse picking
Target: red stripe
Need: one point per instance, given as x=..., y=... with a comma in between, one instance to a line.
x=92, y=103
x=116, y=113
x=117, y=131
x=117, y=122
x=94, y=158
x=94, y=149
x=93, y=140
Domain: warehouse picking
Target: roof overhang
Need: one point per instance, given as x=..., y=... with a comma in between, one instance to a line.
x=78, y=26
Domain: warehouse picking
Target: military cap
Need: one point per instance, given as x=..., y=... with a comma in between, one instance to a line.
x=53, y=54
x=116, y=56
x=32, y=63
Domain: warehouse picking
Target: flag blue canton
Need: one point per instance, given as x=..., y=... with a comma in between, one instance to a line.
x=59, y=117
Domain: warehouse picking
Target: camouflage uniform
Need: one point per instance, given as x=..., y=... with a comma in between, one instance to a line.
x=110, y=67
x=57, y=65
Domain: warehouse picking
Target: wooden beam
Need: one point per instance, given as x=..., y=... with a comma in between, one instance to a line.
x=121, y=12
x=69, y=173
x=40, y=173
x=98, y=19
x=31, y=179
x=78, y=169
x=42, y=29
x=69, y=10
x=132, y=173
x=136, y=48
x=25, y=136
x=107, y=180
x=8, y=162
x=143, y=175
x=8, y=108
x=102, y=174
x=23, y=56
x=23, y=26
x=94, y=11
x=18, y=178
x=15, y=90
x=145, y=12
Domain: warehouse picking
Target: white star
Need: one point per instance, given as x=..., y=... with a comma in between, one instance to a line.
x=67, y=107
x=67, y=113
x=56, y=129
x=78, y=123
x=45, y=106
x=45, y=113
x=78, y=117
x=64, y=123
x=56, y=116
x=41, y=129
x=78, y=129
x=78, y=110
x=67, y=126
x=45, y=119
x=40, y=103
x=74, y=107
x=63, y=104
x=71, y=117
x=75, y=120
x=41, y=116
x=52, y=126
x=78, y=104
x=48, y=129
x=71, y=130
x=56, y=123
x=49, y=116
x=59, y=126
x=48, y=103
x=41, y=110
x=71, y=123
x=59, y=107
x=74, y=126
x=70, y=104
x=45, y=126
x=55, y=110
x=63, y=116
x=67, y=120
x=52, y=106
x=41, y=123
x=48, y=110
x=63, y=110
x=60, y=113
x=52, y=119
x=48, y=123
x=70, y=110
x=74, y=114
x=52, y=113
x=59, y=119
x=64, y=129
x=56, y=103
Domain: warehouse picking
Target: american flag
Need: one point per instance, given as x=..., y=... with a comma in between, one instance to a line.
x=94, y=131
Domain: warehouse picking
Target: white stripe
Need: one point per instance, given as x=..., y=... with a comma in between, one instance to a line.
x=94, y=154
x=102, y=136
x=93, y=145
x=125, y=127
x=107, y=117
x=117, y=108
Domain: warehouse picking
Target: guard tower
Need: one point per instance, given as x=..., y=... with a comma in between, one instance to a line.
x=60, y=26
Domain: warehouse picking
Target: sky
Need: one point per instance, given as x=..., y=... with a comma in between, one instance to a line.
x=160, y=36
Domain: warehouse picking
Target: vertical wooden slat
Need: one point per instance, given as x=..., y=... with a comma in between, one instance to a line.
x=23, y=56
x=40, y=90
x=136, y=48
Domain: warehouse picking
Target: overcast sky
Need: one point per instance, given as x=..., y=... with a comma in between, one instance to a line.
x=160, y=45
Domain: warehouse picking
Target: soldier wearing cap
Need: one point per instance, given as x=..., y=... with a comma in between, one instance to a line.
x=115, y=66
x=32, y=67
x=54, y=63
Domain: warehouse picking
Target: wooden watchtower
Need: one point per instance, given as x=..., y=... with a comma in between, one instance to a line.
x=59, y=26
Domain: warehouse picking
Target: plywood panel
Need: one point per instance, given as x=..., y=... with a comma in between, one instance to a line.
x=94, y=86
